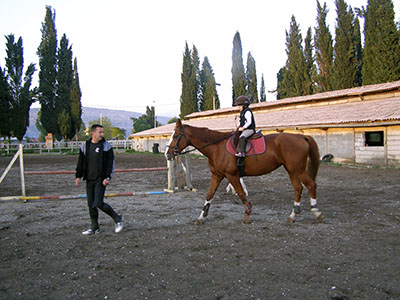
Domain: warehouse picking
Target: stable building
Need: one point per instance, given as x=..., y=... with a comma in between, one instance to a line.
x=357, y=126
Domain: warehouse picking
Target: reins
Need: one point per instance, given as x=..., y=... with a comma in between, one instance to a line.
x=182, y=133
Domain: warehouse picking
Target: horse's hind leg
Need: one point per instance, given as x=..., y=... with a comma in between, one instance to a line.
x=236, y=183
x=215, y=181
x=312, y=192
x=298, y=189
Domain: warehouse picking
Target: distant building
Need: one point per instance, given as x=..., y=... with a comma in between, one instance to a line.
x=358, y=126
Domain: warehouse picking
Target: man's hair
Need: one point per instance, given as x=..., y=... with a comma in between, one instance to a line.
x=94, y=126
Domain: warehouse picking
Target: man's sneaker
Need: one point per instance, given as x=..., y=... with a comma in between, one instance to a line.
x=90, y=231
x=119, y=226
x=240, y=154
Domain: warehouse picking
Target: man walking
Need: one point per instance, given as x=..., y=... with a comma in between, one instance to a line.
x=96, y=165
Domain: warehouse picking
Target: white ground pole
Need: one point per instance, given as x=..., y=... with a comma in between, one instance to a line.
x=21, y=167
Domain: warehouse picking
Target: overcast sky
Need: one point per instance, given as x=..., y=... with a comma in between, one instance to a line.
x=130, y=52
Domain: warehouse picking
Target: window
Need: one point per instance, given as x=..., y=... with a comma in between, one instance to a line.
x=374, y=138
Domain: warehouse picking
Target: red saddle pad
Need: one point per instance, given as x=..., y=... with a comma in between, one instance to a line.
x=254, y=146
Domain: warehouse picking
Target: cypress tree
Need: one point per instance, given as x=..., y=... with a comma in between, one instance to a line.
x=195, y=80
x=263, y=97
x=5, y=102
x=64, y=87
x=309, y=63
x=358, y=52
x=345, y=63
x=21, y=94
x=76, y=95
x=381, y=57
x=323, y=50
x=238, y=75
x=209, y=95
x=186, y=95
x=280, y=87
x=47, y=52
x=251, y=79
x=293, y=76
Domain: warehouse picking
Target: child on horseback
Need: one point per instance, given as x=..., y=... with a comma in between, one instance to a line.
x=247, y=125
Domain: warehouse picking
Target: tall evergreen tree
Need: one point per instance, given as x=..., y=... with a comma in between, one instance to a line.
x=345, y=63
x=280, y=88
x=76, y=105
x=381, y=58
x=238, y=75
x=195, y=79
x=309, y=63
x=47, y=52
x=64, y=88
x=21, y=94
x=323, y=46
x=263, y=96
x=209, y=95
x=188, y=101
x=5, y=102
x=145, y=121
x=294, y=80
x=358, y=52
x=251, y=79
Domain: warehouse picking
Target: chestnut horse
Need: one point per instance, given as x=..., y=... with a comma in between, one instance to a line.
x=290, y=150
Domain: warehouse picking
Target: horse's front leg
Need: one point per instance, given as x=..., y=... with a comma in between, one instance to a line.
x=215, y=181
x=236, y=183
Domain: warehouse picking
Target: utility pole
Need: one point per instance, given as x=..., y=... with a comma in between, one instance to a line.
x=154, y=111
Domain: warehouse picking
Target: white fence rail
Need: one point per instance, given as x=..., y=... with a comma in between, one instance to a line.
x=60, y=146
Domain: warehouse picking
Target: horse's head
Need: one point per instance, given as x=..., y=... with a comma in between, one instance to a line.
x=177, y=142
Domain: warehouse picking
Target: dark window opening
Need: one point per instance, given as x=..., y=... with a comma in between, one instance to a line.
x=374, y=138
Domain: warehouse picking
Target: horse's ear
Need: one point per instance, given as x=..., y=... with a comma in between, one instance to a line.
x=178, y=124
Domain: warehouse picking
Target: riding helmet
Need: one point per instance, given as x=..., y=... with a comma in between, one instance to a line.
x=242, y=100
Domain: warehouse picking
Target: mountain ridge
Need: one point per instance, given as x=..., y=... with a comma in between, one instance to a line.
x=118, y=118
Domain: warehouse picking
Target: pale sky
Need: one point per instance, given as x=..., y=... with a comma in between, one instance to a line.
x=130, y=52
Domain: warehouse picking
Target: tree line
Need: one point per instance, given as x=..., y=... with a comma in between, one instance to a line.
x=318, y=64
x=325, y=64
x=59, y=92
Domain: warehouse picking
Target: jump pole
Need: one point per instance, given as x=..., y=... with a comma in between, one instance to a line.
x=116, y=171
x=81, y=196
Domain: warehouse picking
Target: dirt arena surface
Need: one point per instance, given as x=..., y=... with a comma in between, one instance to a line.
x=353, y=254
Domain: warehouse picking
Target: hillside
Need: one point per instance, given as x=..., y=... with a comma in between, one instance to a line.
x=119, y=118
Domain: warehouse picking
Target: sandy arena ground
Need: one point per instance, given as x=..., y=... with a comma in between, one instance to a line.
x=353, y=254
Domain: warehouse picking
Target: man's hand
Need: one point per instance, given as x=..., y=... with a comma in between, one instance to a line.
x=77, y=181
x=106, y=182
x=241, y=128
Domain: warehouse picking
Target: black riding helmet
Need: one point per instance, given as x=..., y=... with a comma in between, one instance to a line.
x=243, y=100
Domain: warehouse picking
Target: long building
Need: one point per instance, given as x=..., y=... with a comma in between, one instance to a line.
x=358, y=126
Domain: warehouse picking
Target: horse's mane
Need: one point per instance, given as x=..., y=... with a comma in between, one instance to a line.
x=207, y=135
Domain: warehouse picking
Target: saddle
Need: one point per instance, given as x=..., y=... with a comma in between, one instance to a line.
x=255, y=144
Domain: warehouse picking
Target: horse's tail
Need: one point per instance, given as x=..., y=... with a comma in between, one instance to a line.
x=313, y=154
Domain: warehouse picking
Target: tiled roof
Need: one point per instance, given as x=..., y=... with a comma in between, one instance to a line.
x=334, y=114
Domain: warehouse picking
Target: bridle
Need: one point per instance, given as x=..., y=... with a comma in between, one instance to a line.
x=182, y=134
x=176, y=147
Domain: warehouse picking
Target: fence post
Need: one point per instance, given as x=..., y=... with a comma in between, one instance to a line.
x=21, y=168
x=171, y=177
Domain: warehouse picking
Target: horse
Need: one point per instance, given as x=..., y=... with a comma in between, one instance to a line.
x=298, y=154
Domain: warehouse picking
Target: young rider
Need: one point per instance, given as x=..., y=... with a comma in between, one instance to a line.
x=247, y=125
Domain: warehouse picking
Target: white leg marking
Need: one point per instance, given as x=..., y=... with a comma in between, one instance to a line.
x=292, y=215
x=314, y=209
x=244, y=186
x=231, y=188
x=201, y=217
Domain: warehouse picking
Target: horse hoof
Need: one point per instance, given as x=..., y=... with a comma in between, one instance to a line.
x=246, y=221
x=290, y=220
x=320, y=218
x=199, y=222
